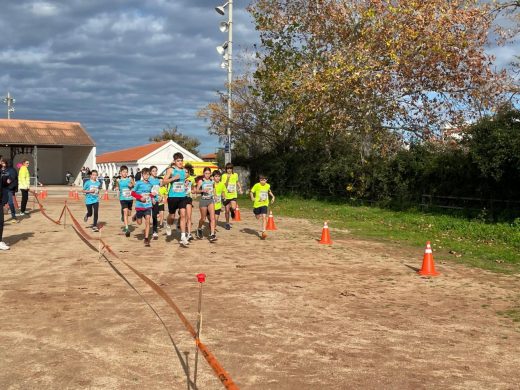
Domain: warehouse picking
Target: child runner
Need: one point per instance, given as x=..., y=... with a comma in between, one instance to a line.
x=163, y=196
x=156, y=185
x=177, y=196
x=260, y=196
x=220, y=190
x=91, y=190
x=189, y=182
x=124, y=185
x=206, y=187
x=145, y=200
x=230, y=180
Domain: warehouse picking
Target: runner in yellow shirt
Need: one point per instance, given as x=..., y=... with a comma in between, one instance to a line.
x=220, y=195
x=260, y=198
x=231, y=182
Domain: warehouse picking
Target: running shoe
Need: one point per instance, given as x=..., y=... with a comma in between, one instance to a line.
x=232, y=212
x=168, y=230
x=199, y=234
x=184, y=242
x=4, y=246
x=263, y=236
x=212, y=238
x=146, y=242
x=20, y=213
x=228, y=226
x=127, y=232
x=95, y=229
x=190, y=237
x=155, y=236
x=85, y=218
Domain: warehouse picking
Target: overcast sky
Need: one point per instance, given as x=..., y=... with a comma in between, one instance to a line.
x=125, y=69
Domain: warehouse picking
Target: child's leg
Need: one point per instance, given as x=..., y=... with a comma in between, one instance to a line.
x=89, y=210
x=227, y=212
x=95, y=207
x=203, y=215
x=139, y=221
x=155, y=212
x=211, y=211
x=182, y=220
x=264, y=222
x=189, y=210
x=147, y=227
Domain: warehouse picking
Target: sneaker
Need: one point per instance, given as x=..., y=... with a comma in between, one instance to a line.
x=190, y=237
x=127, y=232
x=199, y=234
x=4, y=246
x=184, y=242
x=232, y=212
x=263, y=236
x=85, y=218
x=146, y=242
x=212, y=238
x=168, y=230
x=228, y=226
x=155, y=236
x=95, y=229
x=20, y=213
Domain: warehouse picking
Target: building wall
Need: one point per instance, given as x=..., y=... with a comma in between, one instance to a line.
x=75, y=158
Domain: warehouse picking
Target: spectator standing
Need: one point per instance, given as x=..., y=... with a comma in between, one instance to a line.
x=10, y=185
x=24, y=183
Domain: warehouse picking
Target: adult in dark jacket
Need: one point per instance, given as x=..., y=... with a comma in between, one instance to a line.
x=3, y=245
x=9, y=178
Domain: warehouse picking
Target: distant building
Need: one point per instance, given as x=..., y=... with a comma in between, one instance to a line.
x=210, y=157
x=52, y=148
x=159, y=154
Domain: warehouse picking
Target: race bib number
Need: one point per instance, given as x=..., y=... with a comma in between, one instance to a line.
x=94, y=189
x=178, y=187
x=231, y=188
x=263, y=196
x=145, y=198
x=218, y=199
x=126, y=193
x=155, y=190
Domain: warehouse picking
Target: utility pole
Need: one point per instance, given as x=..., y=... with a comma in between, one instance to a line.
x=10, y=104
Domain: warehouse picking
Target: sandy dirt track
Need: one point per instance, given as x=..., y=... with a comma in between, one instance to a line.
x=285, y=313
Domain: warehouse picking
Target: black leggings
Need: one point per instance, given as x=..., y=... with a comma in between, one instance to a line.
x=155, y=213
x=93, y=207
x=25, y=198
x=1, y=221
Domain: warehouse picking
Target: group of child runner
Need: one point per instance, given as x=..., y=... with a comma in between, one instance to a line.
x=175, y=190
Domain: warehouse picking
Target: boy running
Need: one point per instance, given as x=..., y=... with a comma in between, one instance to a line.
x=189, y=183
x=220, y=190
x=124, y=185
x=163, y=196
x=206, y=187
x=230, y=180
x=260, y=196
x=177, y=196
x=145, y=200
x=156, y=185
x=91, y=190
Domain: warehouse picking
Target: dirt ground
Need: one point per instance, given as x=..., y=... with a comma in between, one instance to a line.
x=285, y=313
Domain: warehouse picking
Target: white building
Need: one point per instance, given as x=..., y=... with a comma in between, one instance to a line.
x=159, y=154
x=52, y=148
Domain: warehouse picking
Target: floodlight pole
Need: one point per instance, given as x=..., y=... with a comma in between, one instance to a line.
x=227, y=154
x=9, y=101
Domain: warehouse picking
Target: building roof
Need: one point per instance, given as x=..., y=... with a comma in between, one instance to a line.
x=209, y=156
x=29, y=132
x=130, y=154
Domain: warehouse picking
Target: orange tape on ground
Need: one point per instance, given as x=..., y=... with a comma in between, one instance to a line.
x=42, y=210
x=210, y=358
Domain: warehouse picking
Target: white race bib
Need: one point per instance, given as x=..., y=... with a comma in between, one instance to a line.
x=145, y=198
x=263, y=196
x=231, y=188
x=178, y=187
x=94, y=189
x=218, y=199
x=126, y=193
x=155, y=189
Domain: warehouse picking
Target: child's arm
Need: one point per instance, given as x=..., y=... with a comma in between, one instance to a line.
x=272, y=196
x=240, y=187
x=252, y=195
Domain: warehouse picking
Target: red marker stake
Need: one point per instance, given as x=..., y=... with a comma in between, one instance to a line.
x=201, y=278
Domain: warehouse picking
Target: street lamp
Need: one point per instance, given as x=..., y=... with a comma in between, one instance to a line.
x=226, y=50
x=9, y=101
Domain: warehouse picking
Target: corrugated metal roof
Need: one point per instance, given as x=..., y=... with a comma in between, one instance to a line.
x=130, y=154
x=29, y=132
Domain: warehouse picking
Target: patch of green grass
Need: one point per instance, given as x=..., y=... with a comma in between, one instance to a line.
x=513, y=314
x=491, y=246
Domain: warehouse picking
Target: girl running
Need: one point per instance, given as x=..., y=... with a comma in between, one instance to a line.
x=206, y=187
x=124, y=186
x=156, y=185
x=220, y=190
x=145, y=200
x=91, y=190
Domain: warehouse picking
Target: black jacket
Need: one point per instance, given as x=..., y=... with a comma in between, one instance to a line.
x=9, y=173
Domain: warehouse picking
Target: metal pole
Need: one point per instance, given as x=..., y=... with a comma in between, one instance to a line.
x=230, y=80
x=201, y=279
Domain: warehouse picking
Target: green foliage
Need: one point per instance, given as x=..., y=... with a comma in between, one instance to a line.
x=172, y=133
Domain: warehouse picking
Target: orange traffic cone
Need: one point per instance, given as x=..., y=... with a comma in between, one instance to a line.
x=76, y=196
x=270, y=222
x=428, y=266
x=105, y=196
x=325, y=235
x=237, y=215
x=70, y=194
